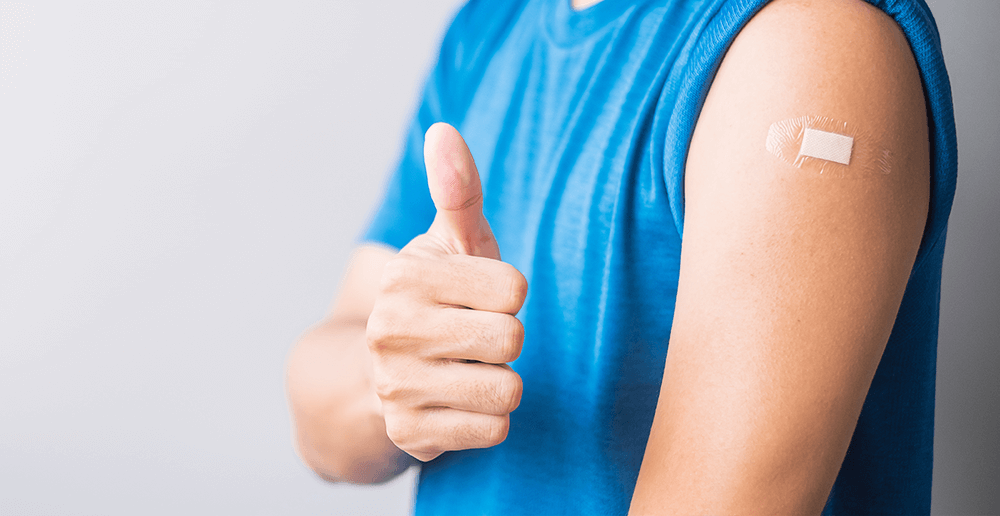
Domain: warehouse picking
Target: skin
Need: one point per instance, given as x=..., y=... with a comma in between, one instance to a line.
x=443, y=328
x=790, y=280
x=339, y=427
x=789, y=285
x=411, y=362
x=580, y=5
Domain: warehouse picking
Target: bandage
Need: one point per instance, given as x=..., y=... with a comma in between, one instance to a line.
x=827, y=146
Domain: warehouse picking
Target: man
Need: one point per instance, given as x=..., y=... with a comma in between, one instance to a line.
x=760, y=190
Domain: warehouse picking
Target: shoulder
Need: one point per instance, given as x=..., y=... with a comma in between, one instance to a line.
x=847, y=65
x=841, y=60
x=829, y=49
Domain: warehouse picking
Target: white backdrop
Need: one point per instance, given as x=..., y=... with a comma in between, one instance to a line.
x=180, y=186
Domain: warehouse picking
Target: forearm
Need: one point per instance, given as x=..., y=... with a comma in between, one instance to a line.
x=339, y=428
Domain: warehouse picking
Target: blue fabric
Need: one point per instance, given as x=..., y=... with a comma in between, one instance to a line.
x=580, y=123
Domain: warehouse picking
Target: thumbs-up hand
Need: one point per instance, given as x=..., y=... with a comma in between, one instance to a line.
x=443, y=326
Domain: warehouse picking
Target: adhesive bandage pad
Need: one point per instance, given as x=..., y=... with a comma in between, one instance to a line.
x=827, y=146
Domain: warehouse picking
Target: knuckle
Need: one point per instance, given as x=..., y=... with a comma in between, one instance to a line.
x=394, y=325
x=517, y=391
x=496, y=430
x=377, y=331
x=515, y=288
x=405, y=432
x=513, y=338
x=398, y=273
x=420, y=443
x=391, y=380
x=507, y=393
x=384, y=385
x=393, y=272
x=396, y=430
x=399, y=381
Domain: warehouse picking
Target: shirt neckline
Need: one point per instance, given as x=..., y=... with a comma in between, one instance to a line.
x=566, y=25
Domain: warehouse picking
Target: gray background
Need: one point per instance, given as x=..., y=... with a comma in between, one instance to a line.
x=180, y=185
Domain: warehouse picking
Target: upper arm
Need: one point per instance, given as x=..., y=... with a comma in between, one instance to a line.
x=790, y=279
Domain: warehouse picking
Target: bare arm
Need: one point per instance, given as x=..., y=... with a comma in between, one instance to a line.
x=339, y=428
x=790, y=279
x=413, y=356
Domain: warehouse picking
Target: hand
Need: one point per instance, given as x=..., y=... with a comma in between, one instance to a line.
x=443, y=325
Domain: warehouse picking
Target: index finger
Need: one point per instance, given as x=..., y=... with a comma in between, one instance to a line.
x=477, y=283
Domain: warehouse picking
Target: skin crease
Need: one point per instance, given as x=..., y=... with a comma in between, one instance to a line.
x=789, y=286
x=442, y=328
x=438, y=321
x=329, y=375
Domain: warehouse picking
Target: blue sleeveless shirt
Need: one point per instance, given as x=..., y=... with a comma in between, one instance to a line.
x=579, y=123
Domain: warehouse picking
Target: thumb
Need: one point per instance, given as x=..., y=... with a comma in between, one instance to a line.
x=457, y=194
